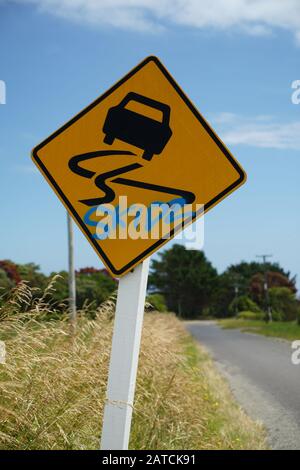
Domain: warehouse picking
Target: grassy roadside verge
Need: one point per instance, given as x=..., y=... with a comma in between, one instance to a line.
x=285, y=330
x=227, y=425
x=52, y=387
x=193, y=407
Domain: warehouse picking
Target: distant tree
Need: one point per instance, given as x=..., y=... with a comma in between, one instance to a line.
x=91, y=270
x=284, y=304
x=92, y=286
x=31, y=273
x=223, y=294
x=245, y=272
x=11, y=270
x=6, y=284
x=237, y=280
x=9, y=278
x=274, y=279
x=185, y=278
x=60, y=292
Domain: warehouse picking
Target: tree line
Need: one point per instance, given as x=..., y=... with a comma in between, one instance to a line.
x=93, y=286
x=193, y=288
x=182, y=281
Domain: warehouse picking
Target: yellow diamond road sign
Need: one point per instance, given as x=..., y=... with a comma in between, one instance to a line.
x=140, y=145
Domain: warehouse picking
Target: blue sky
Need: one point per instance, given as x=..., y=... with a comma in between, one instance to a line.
x=236, y=64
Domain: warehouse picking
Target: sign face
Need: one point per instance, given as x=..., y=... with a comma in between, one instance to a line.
x=138, y=149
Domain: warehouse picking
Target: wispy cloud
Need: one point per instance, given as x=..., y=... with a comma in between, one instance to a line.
x=25, y=169
x=260, y=131
x=254, y=17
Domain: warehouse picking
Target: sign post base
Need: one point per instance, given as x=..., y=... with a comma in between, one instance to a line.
x=124, y=358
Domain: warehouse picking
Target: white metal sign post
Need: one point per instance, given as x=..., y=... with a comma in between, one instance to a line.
x=124, y=358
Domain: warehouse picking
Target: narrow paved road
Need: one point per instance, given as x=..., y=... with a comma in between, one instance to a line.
x=262, y=378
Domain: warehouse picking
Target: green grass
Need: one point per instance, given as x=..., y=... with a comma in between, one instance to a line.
x=285, y=330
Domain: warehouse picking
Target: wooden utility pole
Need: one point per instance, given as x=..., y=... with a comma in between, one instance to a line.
x=266, y=287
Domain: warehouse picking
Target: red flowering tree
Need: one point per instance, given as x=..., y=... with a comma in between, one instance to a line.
x=11, y=271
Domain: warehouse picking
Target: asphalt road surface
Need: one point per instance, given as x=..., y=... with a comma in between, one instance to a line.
x=262, y=378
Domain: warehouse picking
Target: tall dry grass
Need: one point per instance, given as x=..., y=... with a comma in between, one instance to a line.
x=52, y=387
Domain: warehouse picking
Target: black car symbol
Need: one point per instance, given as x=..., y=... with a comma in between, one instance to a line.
x=134, y=128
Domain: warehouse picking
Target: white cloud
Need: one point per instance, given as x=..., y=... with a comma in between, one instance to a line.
x=25, y=169
x=260, y=131
x=255, y=17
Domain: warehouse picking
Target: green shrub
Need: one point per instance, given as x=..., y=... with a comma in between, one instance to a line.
x=157, y=302
x=284, y=304
x=243, y=304
x=247, y=315
x=277, y=316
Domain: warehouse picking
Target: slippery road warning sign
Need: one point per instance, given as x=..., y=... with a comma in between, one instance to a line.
x=128, y=166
